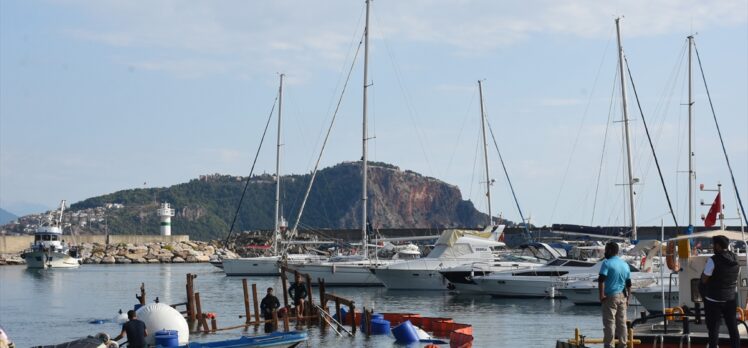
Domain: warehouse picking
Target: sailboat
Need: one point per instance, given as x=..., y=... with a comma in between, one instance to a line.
x=269, y=265
x=48, y=249
x=352, y=271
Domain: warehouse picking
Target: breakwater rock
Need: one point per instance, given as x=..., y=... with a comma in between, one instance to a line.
x=163, y=252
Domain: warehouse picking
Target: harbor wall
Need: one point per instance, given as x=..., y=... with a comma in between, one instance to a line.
x=16, y=244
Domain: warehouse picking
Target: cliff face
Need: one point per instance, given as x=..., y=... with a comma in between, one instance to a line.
x=205, y=207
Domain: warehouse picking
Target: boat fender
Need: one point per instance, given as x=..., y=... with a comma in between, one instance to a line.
x=671, y=258
x=159, y=316
x=210, y=315
x=671, y=312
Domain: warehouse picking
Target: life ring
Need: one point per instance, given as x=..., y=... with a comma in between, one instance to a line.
x=740, y=313
x=671, y=258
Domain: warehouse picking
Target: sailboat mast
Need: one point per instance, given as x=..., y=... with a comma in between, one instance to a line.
x=691, y=176
x=485, y=152
x=632, y=208
x=365, y=139
x=276, y=231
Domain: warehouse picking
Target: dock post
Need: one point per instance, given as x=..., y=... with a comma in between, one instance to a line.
x=213, y=324
x=257, y=307
x=142, y=294
x=275, y=320
x=247, y=317
x=352, y=313
x=338, y=313
x=191, y=297
x=285, y=286
x=367, y=319
x=200, y=315
x=286, y=322
x=308, y=308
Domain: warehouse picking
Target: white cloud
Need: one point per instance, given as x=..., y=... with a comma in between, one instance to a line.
x=303, y=34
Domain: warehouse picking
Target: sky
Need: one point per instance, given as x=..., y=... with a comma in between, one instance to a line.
x=101, y=96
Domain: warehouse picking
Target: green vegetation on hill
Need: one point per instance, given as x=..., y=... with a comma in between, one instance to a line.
x=205, y=207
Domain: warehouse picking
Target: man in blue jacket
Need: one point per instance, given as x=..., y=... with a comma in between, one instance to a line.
x=614, y=284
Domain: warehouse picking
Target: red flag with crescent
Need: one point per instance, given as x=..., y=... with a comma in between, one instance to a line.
x=711, y=218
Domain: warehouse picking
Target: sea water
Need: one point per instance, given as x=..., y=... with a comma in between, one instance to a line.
x=39, y=307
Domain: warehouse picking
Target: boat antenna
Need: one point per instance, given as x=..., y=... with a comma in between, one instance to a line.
x=365, y=138
x=276, y=231
x=485, y=152
x=630, y=166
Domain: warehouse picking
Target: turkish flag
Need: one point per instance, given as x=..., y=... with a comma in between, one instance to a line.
x=711, y=218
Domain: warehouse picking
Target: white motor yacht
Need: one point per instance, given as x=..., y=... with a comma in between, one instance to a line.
x=49, y=250
x=453, y=248
x=460, y=278
x=535, y=282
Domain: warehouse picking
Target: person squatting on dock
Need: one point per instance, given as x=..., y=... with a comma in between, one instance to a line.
x=135, y=331
x=614, y=285
x=298, y=293
x=267, y=306
x=718, y=284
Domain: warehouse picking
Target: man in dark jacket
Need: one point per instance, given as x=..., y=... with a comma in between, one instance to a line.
x=298, y=293
x=267, y=306
x=135, y=331
x=718, y=285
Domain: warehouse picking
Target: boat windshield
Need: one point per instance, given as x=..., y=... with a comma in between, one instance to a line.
x=443, y=251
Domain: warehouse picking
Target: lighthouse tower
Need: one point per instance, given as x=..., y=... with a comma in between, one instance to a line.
x=165, y=213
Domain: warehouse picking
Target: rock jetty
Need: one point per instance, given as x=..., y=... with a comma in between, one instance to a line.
x=172, y=252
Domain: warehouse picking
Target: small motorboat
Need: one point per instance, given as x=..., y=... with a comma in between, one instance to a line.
x=276, y=339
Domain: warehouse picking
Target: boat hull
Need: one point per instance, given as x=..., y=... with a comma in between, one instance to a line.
x=652, y=300
x=518, y=286
x=252, y=266
x=411, y=279
x=342, y=274
x=42, y=260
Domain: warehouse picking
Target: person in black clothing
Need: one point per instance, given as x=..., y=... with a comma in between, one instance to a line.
x=298, y=293
x=135, y=331
x=267, y=306
x=718, y=285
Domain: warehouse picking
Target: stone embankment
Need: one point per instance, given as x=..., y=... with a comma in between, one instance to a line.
x=172, y=252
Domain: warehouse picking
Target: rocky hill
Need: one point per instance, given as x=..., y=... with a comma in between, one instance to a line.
x=206, y=206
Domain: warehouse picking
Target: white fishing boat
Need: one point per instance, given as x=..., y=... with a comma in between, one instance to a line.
x=48, y=249
x=453, y=248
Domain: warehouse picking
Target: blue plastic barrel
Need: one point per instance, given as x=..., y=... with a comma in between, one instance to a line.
x=380, y=327
x=343, y=312
x=404, y=333
x=167, y=338
x=375, y=316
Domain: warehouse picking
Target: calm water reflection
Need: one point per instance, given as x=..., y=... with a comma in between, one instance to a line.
x=51, y=306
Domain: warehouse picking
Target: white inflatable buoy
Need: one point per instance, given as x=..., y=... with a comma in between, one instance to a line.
x=158, y=316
